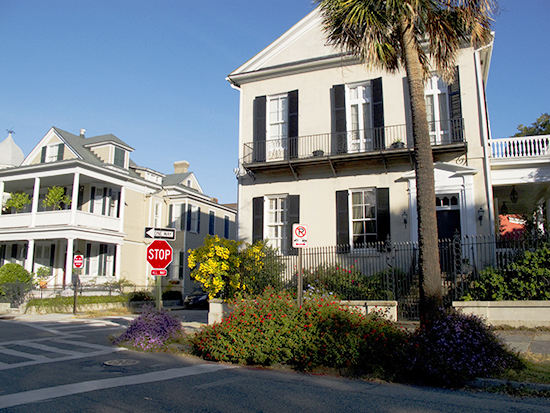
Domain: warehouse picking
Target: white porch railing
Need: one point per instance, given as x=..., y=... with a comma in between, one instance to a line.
x=59, y=218
x=525, y=146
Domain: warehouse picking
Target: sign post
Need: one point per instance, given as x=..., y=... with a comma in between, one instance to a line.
x=299, y=240
x=78, y=263
x=159, y=256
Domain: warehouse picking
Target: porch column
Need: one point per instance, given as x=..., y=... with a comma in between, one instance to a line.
x=35, y=199
x=1, y=195
x=29, y=260
x=121, y=203
x=69, y=262
x=74, y=197
x=118, y=257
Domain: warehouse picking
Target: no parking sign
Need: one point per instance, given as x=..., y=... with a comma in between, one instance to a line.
x=299, y=236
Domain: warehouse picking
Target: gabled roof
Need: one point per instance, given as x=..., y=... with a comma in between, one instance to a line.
x=175, y=179
x=106, y=139
x=302, y=47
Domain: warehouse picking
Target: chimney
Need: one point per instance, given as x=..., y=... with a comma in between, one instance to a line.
x=82, y=132
x=180, y=167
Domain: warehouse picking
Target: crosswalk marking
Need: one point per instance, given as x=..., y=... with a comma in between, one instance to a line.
x=66, y=335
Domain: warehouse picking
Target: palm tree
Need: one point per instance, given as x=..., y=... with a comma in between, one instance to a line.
x=416, y=35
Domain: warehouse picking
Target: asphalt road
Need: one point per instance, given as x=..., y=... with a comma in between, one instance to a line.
x=68, y=365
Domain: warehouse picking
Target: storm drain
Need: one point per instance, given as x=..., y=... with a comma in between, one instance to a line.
x=120, y=362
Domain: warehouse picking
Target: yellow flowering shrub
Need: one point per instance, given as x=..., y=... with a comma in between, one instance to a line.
x=216, y=265
x=224, y=271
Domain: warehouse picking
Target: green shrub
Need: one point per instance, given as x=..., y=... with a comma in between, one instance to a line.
x=15, y=282
x=272, y=329
x=140, y=296
x=346, y=283
x=452, y=348
x=527, y=278
x=261, y=267
x=65, y=304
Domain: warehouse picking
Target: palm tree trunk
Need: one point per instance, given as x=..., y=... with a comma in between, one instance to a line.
x=431, y=295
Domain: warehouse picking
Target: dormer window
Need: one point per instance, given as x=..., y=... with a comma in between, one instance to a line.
x=119, y=157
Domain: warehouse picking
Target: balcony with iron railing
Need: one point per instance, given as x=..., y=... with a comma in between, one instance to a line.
x=520, y=147
x=355, y=143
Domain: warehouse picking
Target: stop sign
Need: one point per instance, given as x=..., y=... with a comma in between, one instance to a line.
x=159, y=254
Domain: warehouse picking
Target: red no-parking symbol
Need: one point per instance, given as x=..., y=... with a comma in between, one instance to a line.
x=299, y=238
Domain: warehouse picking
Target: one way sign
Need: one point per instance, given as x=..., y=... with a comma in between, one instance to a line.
x=160, y=233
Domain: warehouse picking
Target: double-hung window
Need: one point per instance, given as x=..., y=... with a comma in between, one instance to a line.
x=276, y=220
x=363, y=215
x=52, y=152
x=193, y=218
x=119, y=157
x=212, y=223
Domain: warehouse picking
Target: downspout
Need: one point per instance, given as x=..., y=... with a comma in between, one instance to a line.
x=485, y=137
x=236, y=86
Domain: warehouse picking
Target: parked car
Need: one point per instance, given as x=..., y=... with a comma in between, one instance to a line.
x=197, y=299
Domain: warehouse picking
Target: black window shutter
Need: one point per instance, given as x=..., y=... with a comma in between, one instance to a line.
x=92, y=198
x=52, y=255
x=259, y=129
x=342, y=221
x=455, y=110
x=382, y=213
x=257, y=219
x=189, y=217
x=339, y=137
x=378, y=114
x=198, y=220
x=88, y=257
x=293, y=124
x=14, y=251
x=170, y=212
x=293, y=218
x=60, y=150
x=43, y=154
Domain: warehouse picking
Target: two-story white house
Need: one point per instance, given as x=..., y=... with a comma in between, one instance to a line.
x=112, y=201
x=327, y=141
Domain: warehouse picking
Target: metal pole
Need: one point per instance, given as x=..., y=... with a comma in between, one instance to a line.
x=159, y=294
x=76, y=284
x=300, y=283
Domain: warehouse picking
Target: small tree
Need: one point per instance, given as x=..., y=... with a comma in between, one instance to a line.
x=56, y=197
x=15, y=282
x=540, y=127
x=18, y=201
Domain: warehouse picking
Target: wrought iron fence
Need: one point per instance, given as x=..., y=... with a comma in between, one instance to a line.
x=388, y=270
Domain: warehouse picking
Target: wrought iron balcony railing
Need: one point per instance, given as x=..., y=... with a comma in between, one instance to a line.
x=349, y=143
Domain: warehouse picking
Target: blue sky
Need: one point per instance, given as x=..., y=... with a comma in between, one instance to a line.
x=153, y=73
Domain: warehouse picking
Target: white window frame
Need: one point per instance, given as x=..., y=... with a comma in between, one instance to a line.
x=277, y=126
x=358, y=216
x=194, y=226
x=276, y=220
x=52, y=151
x=436, y=94
x=157, y=214
x=359, y=117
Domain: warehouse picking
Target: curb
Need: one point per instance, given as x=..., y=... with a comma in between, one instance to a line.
x=482, y=383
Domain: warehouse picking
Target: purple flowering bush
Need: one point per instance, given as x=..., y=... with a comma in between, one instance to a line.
x=453, y=348
x=151, y=331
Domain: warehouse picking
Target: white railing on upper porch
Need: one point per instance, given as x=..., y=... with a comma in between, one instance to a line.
x=59, y=219
x=524, y=146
